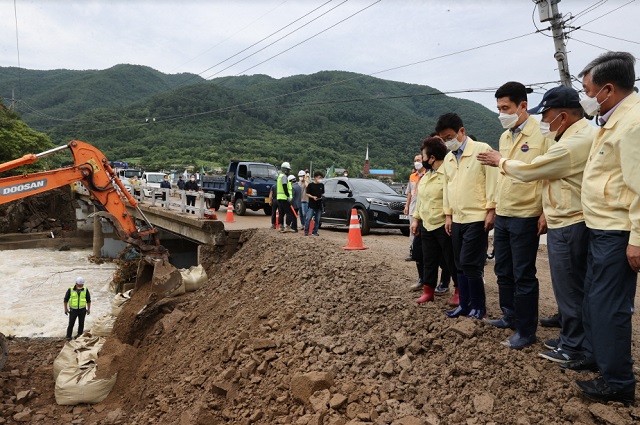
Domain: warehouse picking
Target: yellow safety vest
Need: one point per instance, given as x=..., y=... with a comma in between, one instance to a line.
x=280, y=195
x=78, y=300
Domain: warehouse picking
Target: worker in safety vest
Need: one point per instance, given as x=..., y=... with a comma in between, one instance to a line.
x=77, y=300
x=284, y=195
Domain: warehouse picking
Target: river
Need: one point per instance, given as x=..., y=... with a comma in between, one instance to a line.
x=33, y=283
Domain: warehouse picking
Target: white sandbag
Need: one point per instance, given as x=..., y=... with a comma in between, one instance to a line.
x=75, y=369
x=78, y=385
x=180, y=290
x=77, y=352
x=194, y=278
x=118, y=301
x=103, y=326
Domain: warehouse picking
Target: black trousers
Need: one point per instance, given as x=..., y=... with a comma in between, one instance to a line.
x=80, y=314
x=284, y=207
x=609, y=292
x=191, y=200
x=469, y=248
x=436, y=250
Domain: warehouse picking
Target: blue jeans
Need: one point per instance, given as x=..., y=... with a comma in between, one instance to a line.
x=314, y=213
x=304, y=206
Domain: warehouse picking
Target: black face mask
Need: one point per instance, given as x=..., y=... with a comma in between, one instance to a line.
x=426, y=165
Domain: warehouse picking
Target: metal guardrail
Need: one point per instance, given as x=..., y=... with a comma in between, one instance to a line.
x=176, y=199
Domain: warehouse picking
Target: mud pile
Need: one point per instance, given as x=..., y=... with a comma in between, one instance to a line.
x=304, y=332
x=294, y=330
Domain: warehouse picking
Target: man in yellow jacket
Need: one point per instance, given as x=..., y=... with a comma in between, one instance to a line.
x=560, y=170
x=469, y=208
x=611, y=204
x=519, y=219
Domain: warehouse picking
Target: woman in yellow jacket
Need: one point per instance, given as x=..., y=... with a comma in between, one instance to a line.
x=429, y=215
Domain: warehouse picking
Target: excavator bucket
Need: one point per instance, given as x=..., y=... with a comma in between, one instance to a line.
x=163, y=277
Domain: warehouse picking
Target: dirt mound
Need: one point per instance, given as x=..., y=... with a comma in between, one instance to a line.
x=279, y=321
x=295, y=330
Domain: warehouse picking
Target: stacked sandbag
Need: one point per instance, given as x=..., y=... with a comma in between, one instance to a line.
x=104, y=325
x=74, y=371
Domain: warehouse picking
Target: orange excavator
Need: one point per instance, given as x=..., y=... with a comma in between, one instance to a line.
x=108, y=194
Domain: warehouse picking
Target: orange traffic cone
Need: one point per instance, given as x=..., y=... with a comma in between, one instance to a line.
x=277, y=219
x=229, y=218
x=355, y=237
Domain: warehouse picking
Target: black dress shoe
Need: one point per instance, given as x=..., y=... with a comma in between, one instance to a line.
x=598, y=390
x=551, y=322
x=582, y=365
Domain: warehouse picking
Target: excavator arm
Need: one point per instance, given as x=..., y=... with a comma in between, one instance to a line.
x=91, y=168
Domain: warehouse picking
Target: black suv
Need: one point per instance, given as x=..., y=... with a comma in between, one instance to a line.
x=376, y=203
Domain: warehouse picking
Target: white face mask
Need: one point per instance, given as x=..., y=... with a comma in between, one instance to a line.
x=453, y=144
x=509, y=120
x=545, y=129
x=193, y=179
x=417, y=165
x=591, y=105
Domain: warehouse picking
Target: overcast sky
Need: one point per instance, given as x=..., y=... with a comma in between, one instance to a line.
x=195, y=36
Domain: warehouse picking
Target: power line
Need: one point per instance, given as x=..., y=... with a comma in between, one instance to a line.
x=173, y=117
x=274, y=42
x=246, y=106
x=589, y=9
x=309, y=38
x=15, y=14
x=590, y=44
x=611, y=11
x=609, y=36
x=229, y=37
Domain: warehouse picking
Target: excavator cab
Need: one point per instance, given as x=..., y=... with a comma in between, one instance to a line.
x=108, y=194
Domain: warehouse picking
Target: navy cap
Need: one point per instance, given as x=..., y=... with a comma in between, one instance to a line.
x=557, y=97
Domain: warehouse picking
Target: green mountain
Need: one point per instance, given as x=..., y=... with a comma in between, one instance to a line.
x=161, y=121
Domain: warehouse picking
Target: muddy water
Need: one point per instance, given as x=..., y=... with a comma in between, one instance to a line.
x=32, y=287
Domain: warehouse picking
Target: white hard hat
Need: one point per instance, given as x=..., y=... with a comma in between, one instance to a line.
x=301, y=173
x=80, y=280
x=292, y=178
x=285, y=165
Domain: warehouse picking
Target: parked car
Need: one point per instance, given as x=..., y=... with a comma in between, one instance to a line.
x=377, y=204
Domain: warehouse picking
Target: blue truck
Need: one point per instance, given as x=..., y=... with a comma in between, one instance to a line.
x=246, y=184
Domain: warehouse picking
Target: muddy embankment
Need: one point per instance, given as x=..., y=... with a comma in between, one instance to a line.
x=294, y=330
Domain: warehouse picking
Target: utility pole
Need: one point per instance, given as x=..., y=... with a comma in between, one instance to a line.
x=548, y=10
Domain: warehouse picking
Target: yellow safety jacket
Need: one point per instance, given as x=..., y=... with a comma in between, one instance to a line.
x=280, y=195
x=77, y=300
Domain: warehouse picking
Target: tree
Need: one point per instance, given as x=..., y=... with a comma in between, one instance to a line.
x=18, y=139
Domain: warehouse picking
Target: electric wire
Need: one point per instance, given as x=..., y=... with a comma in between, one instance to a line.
x=183, y=116
x=609, y=36
x=588, y=9
x=533, y=14
x=609, y=12
x=309, y=38
x=228, y=38
x=274, y=42
x=590, y=44
x=15, y=14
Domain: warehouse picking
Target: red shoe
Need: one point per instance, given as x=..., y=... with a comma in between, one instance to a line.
x=455, y=299
x=427, y=294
